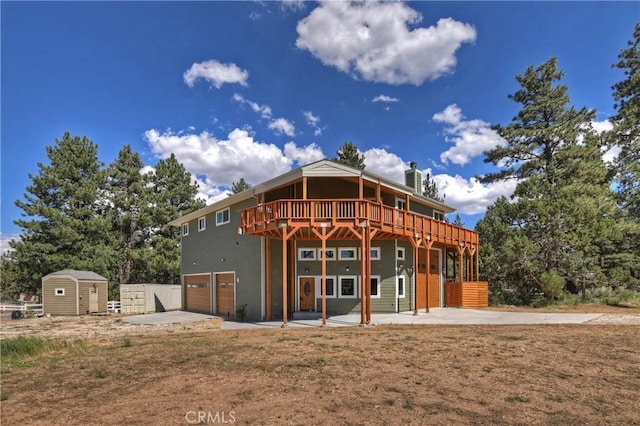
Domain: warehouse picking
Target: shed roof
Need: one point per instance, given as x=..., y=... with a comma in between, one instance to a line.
x=79, y=275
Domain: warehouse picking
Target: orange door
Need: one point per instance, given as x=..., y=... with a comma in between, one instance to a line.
x=225, y=295
x=421, y=279
x=197, y=293
x=307, y=294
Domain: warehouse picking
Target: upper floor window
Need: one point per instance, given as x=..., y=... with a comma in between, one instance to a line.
x=438, y=215
x=185, y=229
x=401, y=204
x=400, y=253
x=202, y=224
x=222, y=217
x=375, y=253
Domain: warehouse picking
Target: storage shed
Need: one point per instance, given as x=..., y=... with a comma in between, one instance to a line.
x=72, y=292
x=146, y=298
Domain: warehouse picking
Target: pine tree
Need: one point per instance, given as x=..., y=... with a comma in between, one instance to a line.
x=431, y=189
x=240, y=186
x=348, y=154
x=130, y=216
x=63, y=223
x=173, y=195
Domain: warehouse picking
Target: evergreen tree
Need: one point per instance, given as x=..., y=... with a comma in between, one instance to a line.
x=563, y=223
x=173, y=195
x=431, y=189
x=348, y=154
x=458, y=221
x=240, y=186
x=129, y=215
x=63, y=224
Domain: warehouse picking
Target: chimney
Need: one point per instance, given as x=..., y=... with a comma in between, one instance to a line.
x=413, y=178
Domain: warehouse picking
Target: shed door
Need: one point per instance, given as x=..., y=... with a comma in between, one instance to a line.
x=225, y=294
x=93, y=298
x=197, y=293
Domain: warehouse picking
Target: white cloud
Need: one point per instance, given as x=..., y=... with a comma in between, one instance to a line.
x=215, y=73
x=284, y=126
x=385, y=99
x=602, y=126
x=385, y=163
x=470, y=196
x=611, y=153
x=313, y=122
x=263, y=110
x=471, y=138
x=305, y=155
x=292, y=4
x=379, y=41
x=216, y=163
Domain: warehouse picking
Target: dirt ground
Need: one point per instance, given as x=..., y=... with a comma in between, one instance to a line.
x=111, y=372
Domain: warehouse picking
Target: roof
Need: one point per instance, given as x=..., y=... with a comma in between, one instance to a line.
x=322, y=168
x=79, y=275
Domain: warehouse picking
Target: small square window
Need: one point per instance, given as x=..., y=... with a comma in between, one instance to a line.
x=347, y=287
x=347, y=254
x=375, y=253
x=400, y=254
x=331, y=254
x=59, y=292
x=222, y=217
x=202, y=224
x=185, y=229
x=400, y=286
x=306, y=254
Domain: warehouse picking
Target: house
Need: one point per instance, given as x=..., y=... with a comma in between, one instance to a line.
x=72, y=292
x=338, y=239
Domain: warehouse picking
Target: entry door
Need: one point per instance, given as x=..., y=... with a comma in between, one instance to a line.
x=307, y=293
x=434, y=279
x=93, y=299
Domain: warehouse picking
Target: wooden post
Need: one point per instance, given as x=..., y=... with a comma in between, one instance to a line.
x=428, y=245
x=304, y=187
x=285, y=272
x=363, y=287
x=323, y=284
x=478, y=264
x=461, y=266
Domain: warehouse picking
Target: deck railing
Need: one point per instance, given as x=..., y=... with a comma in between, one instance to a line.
x=335, y=212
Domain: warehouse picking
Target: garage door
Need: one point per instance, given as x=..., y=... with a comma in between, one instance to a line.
x=197, y=293
x=225, y=294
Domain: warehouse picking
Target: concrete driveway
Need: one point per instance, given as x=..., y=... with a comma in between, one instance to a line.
x=443, y=316
x=171, y=317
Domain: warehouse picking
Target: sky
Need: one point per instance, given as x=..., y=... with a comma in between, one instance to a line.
x=253, y=89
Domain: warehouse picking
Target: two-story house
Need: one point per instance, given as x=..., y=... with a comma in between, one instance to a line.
x=337, y=239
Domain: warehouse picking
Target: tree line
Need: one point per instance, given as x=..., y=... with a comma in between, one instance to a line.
x=573, y=223
x=79, y=214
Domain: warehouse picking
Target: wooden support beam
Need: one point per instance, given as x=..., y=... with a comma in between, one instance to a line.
x=324, y=236
x=363, y=280
x=428, y=244
x=461, y=261
x=285, y=273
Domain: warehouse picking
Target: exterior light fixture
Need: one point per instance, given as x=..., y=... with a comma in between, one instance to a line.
x=410, y=269
x=346, y=269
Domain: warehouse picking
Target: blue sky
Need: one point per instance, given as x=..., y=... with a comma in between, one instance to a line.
x=254, y=89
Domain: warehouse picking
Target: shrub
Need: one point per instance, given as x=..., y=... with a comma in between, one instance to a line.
x=553, y=285
x=22, y=346
x=241, y=312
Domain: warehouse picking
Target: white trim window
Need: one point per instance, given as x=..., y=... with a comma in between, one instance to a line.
x=400, y=253
x=347, y=286
x=59, y=292
x=202, y=223
x=438, y=215
x=375, y=286
x=331, y=287
x=401, y=286
x=347, y=253
x=401, y=203
x=306, y=254
x=185, y=229
x=223, y=216
x=376, y=254
x=331, y=254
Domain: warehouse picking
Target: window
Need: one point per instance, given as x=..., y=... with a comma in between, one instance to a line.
x=306, y=254
x=222, y=217
x=438, y=215
x=400, y=286
x=331, y=287
x=401, y=204
x=375, y=287
x=59, y=292
x=375, y=253
x=347, y=287
x=202, y=224
x=331, y=254
x=347, y=254
x=185, y=229
x=400, y=253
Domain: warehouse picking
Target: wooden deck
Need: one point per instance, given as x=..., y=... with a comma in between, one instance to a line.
x=269, y=218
